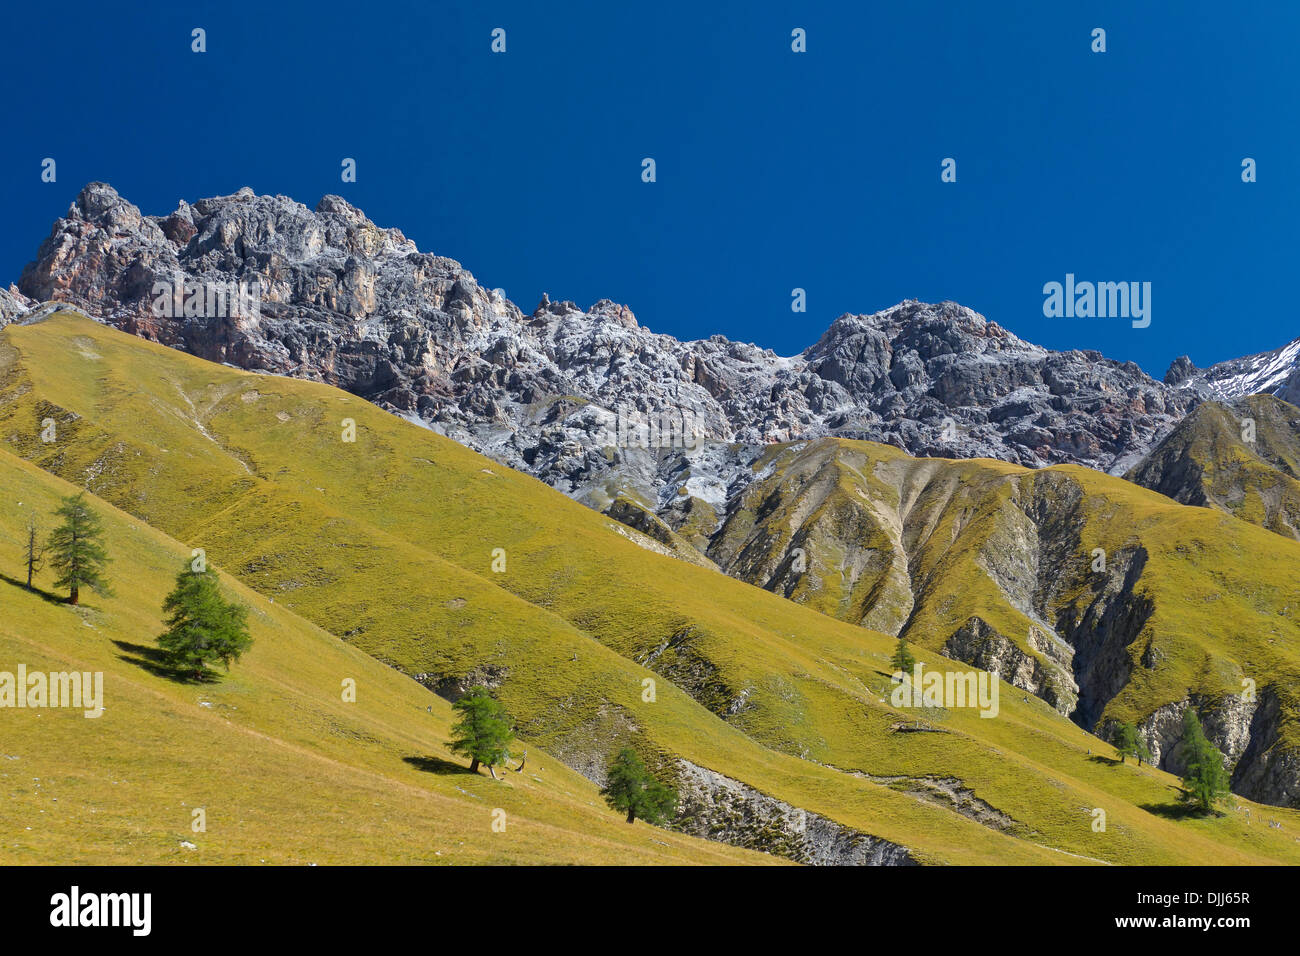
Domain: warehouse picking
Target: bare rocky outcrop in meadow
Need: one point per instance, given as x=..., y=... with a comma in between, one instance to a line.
x=716, y=807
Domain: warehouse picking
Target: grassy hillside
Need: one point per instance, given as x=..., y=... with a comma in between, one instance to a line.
x=1107, y=600
x=1242, y=458
x=285, y=771
x=389, y=541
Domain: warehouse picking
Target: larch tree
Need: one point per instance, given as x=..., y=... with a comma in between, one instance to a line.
x=76, y=549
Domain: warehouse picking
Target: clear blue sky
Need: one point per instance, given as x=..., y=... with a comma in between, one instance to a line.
x=818, y=170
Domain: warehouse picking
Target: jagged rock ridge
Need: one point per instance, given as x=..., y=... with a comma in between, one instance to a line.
x=1276, y=372
x=357, y=306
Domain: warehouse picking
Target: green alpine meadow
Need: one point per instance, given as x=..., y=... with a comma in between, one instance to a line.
x=329, y=634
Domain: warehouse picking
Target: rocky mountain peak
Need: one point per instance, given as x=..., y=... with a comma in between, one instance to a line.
x=1266, y=373
x=348, y=302
x=1180, y=370
x=96, y=199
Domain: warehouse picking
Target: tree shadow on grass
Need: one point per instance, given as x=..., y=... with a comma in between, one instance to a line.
x=1109, y=761
x=436, y=765
x=1176, y=811
x=20, y=583
x=153, y=660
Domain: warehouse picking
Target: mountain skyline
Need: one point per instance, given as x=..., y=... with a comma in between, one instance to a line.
x=108, y=257
x=347, y=302
x=1115, y=166
x=1226, y=375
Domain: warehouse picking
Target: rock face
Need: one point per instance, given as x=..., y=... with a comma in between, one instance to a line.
x=13, y=304
x=1272, y=373
x=349, y=303
x=977, y=643
x=1245, y=731
x=718, y=808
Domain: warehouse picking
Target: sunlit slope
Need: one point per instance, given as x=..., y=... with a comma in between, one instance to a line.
x=1241, y=457
x=1107, y=600
x=284, y=770
x=388, y=541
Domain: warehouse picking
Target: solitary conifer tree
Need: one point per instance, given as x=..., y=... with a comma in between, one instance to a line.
x=632, y=790
x=202, y=626
x=903, y=659
x=1205, y=782
x=76, y=551
x=482, y=732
